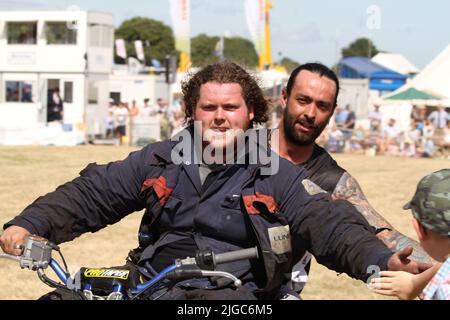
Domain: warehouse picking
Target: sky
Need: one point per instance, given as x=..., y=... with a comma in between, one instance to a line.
x=305, y=31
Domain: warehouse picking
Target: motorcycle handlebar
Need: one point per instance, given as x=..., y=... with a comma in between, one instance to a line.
x=250, y=253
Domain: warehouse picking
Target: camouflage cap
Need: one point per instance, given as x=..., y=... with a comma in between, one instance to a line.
x=431, y=202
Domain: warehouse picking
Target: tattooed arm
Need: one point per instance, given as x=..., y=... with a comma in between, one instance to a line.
x=349, y=189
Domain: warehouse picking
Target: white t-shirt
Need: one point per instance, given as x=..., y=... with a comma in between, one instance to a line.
x=391, y=132
x=121, y=115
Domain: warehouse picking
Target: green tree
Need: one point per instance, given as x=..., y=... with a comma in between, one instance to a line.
x=159, y=36
x=360, y=47
x=236, y=49
x=202, y=49
x=289, y=64
x=241, y=51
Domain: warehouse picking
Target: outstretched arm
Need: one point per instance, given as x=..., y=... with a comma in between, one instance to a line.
x=349, y=189
x=403, y=285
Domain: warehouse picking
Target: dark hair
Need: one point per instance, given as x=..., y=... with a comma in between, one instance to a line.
x=314, y=67
x=225, y=72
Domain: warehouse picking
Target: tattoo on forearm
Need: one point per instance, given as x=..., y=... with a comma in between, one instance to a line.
x=397, y=241
x=349, y=189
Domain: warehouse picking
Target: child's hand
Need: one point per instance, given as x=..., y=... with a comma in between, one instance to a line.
x=396, y=283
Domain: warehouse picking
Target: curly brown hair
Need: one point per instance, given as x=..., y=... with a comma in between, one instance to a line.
x=225, y=72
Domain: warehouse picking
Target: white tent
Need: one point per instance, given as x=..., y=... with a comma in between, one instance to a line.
x=434, y=79
x=395, y=62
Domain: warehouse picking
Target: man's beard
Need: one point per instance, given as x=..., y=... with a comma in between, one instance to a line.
x=297, y=137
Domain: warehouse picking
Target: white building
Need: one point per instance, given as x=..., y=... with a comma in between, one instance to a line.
x=44, y=50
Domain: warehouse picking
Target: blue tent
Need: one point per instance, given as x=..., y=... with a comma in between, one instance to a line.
x=380, y=78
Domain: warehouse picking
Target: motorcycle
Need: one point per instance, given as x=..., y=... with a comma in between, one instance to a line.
x=121, y=283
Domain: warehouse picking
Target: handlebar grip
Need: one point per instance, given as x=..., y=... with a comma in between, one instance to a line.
x=250, y=253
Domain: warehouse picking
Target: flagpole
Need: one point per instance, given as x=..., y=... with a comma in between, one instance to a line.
x=265, y=58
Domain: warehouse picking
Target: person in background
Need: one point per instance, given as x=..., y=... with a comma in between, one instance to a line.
x=134, y=109
x=340, y=117
x=121, y=119
x=431, y=221
x=163, y=114
x=147, y=109
x=439, y=119
x=391, y=137
x=336, y=141
x=349, y=124
x=54, y=106
x=376, y=118
x=109, y=125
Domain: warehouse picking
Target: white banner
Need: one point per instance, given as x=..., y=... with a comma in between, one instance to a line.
x=180, y=15
x=121, y=51
x=139, y=47
x=255, y=13
x=218, y=50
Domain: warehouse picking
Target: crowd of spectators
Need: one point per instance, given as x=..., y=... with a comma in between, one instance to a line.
x=426, y=136
x=121, y=116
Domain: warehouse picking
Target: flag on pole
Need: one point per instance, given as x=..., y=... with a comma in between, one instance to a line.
x=218, y=50
x=180, y=15
x=255, y=13
x=121, y=51
x=138, y=45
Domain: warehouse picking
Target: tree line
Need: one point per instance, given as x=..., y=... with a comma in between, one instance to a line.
x=159, y=42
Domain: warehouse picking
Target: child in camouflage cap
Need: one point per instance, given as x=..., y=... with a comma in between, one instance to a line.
x=430, y=207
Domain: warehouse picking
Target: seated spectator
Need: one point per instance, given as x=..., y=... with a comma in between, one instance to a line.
x=357, y=143
x=336, y=141
x=428, y=149
x=349, y=124
x=374, y=143
x=340, y=117
x=391, y=137
x=444, y=146
x=376, y=119
x=408, y=148
x=412, y=137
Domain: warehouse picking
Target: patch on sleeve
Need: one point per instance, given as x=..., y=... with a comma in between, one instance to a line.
x=312, y=188
x=280, y=239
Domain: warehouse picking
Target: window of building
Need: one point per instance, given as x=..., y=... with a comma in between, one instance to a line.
x=100, y=35
x=94, y=35
x=107, y=37
x=19, y=91
x=68, y=91
x=92, y=92
x=22, y=32
x=60, y=33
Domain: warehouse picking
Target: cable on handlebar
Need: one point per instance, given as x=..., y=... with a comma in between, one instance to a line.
x=56, y=248
x=43, y=277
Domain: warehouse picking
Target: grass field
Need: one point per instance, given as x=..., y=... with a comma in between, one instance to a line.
x=28, y=172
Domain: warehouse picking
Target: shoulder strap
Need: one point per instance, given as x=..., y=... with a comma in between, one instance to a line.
x=163, y=179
